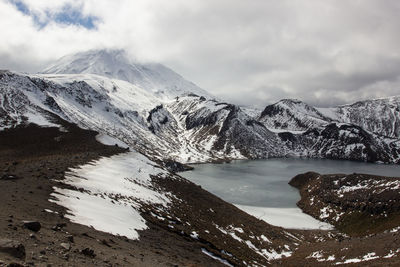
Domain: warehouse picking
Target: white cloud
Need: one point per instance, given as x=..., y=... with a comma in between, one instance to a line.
x=250, y=52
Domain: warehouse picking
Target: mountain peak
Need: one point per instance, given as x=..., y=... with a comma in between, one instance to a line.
x=116, y=64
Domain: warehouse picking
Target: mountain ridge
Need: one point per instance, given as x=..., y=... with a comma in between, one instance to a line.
x=192, y=128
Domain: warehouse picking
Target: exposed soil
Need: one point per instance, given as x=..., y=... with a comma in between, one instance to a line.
x=35, y=159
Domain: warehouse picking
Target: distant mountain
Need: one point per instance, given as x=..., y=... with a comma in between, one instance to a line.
x=292, y=115
x=116, y=64
x=381, y=116
x=343, y=141
x=184, y=126
x=187, y=129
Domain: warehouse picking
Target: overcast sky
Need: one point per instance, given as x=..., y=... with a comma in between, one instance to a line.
x=247, y=52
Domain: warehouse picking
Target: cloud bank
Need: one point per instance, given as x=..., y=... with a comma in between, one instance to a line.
x=247, y=52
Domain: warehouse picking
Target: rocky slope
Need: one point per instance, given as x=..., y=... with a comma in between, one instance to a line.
x=357, y=204
x=365, y=207
x=343, y=141
x=292, y=115
x=381, y=116
x=194, y=229
x=187, y=129
x=191, y=228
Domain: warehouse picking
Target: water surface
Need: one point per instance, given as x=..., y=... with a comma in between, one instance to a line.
x=264, y=183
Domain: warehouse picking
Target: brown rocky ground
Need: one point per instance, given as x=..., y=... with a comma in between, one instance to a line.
x=356, y=204
x=364, y=207
x=37, y=158
x=33, y=160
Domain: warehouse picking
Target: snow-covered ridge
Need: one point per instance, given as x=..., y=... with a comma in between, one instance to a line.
x=185, y=126
x=292, y=115
x=381, y=116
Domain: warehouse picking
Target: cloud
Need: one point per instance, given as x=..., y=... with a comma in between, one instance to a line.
x=248, y=52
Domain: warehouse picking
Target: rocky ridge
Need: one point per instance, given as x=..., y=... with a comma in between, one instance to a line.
x=187, y=128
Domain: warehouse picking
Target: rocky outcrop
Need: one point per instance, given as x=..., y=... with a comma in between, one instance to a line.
x=343, y=141
x=292, y=115
x=13, y=248
x=357, y=204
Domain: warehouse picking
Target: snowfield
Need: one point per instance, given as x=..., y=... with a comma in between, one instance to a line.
x=110, y=192
x=292, y=218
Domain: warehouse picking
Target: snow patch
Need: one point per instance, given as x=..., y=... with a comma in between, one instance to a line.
x=110, y=193
x=210, y=254
x=110, y=141
x=292, y=218
x=368, y=257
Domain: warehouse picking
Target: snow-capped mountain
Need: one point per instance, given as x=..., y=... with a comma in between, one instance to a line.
x=292, y=115
x=223, y=129
x=381, y=116
x=188, y=127
x=343, y=141
x=116, y=64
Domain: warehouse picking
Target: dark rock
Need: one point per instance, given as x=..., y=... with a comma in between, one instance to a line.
x=65, y=256
x=61, y=225
x=104, y=242
x=88, y=252
x=13, y=248
x=70, y=238
x=32, y=225
x=9, y=177
x=301, y=180
x=174, y=166
x=15, y=264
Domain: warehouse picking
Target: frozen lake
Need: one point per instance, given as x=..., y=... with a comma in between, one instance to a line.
x=260, y=187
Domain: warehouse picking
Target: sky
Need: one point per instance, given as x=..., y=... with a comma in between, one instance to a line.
x=250, y=53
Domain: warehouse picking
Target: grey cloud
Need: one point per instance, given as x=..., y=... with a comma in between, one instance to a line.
x=248, y=52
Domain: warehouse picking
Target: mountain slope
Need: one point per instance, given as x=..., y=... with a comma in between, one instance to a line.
x=291, y=115
x=343, y=141
x=381, y=116
x=223, y=129
x=185, y=129
x=155, y=78
x=190, y=128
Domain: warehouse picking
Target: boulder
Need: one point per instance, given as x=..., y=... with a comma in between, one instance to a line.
x=32, y=225
x=12, y=248
x=88, y=252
